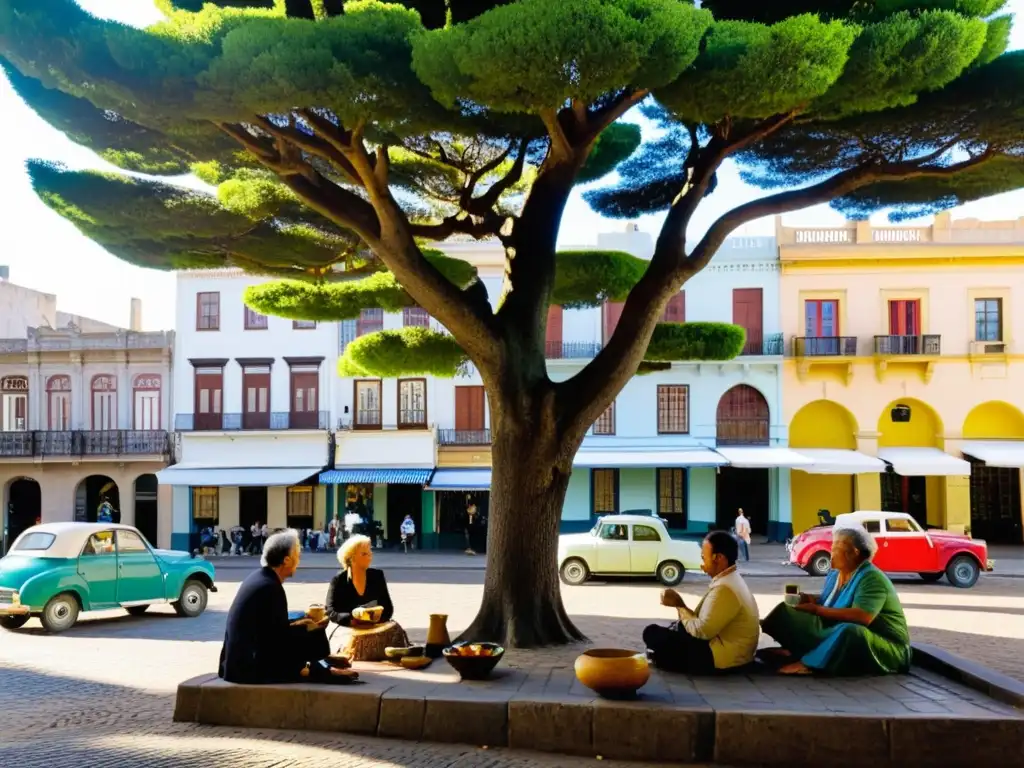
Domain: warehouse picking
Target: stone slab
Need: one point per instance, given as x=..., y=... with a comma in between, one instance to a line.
x=996, y=685
x=551, y=724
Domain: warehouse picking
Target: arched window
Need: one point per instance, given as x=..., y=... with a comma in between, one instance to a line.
x=146, y=401
x=743, y=417
x=14, y=399
x=58, y=403
x=104, y=402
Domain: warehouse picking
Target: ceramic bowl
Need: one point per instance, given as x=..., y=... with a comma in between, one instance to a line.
x=613, y=672
x=368, y=615
x=469, y=661
x=394, y=653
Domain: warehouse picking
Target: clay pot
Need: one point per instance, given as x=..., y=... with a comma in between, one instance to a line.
x=437, y=635
x=613, y=673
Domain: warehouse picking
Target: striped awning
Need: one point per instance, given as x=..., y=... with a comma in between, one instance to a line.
x=381, y=476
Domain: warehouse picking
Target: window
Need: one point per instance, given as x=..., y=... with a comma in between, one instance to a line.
x=36, y=542
x=821, y=318
x=673, y=409
x=645, y=533
x=303, y=325
x=367, y=404
x=901, y=525
x=370, y=321
x=58, y=396
x=412, y=402
x=346, y=334
x=672, y=495
x=146, y=401
x=305, y=397
x=675, y=311
x=208, y=311
x=988, y=319
x=256, y=397
x=604, y=491
x=614, y=532
x=101, y=543
x=605, y=424
x=611, y=311
x=872, y=526
x=104, y=402
x=905, y=317
x=129, y=541
x=206, y=504
x=209, y=384
x=254, y=321
x=415, y=316
x=299, y=506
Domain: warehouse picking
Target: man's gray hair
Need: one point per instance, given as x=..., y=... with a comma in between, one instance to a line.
x=278, y=547
x=861, y=540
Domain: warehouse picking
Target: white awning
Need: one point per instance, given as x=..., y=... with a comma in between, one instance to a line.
x=460, y=480
x=763, y=457
x=835, y=461
x=997, y=453
x=664, y=457
x=204, y=475
x=917, y=462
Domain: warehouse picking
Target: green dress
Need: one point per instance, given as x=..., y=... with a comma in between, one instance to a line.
x=844, y=648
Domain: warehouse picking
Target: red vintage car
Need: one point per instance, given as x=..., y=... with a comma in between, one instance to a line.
x=903, y=547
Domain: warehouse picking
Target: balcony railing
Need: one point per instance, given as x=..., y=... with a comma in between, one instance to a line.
x=767, y=345
x=825, y=346
x=571, y=350
x=73, y=443
x=464, y=436
x=742, y=430
x=908, y=345
x=246, y=422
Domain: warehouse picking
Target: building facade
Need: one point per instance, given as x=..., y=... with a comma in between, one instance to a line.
x=251, y=411
x=903, y=374
x=84, y=418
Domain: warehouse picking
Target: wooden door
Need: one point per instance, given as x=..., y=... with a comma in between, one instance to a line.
x=469, y=409
x=747, y=312
x=305, y=399
x=256, y=398
x=675, y=311
x=553, y=334
x=905, y=317
x=208, y=400
x=611, y=312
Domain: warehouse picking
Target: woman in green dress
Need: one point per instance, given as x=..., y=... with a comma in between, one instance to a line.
x=855, y=626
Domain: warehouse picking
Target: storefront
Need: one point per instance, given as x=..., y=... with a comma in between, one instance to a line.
x=462, y=509
x=994, y=445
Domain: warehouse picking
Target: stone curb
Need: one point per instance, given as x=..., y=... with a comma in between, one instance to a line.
x=993, y=684
x=655, y=729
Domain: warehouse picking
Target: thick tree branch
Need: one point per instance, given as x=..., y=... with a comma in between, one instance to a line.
x=561, y=149
x=466, y=198
x=601, y=118
x=313, y=145
x=482, y=205
x=479, y=228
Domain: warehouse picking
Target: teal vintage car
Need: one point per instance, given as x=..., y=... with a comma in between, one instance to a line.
x=57, y=570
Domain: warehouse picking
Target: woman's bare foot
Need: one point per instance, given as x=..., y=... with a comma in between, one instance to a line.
x=796, y=668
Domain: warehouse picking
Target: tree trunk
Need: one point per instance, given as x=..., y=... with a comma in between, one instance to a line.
x=522, y=602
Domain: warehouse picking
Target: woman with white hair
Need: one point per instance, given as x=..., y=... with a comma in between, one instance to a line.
x=855, y=626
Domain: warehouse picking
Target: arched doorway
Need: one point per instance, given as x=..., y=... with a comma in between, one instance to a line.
x=996, y=514
x=96, y=494
x=146, y=506
x=24, y=507
x=743, y=418
x=821, y=424
x=921, y=496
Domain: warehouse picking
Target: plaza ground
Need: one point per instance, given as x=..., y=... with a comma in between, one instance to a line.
x=102, y=694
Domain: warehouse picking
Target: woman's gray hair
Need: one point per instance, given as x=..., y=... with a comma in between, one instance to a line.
x=278, y=547
x=860, y=539
x=352, y=543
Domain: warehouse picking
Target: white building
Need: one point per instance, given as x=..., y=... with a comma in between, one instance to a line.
x=84, y=415
x=252, y=406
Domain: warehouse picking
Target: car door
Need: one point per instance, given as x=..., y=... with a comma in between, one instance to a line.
x=139, y=578
x=644, y=548
x=613, y=548
x=909, y=550
x=97, y=565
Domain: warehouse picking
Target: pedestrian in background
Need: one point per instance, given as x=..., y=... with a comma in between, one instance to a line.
x=743, y=534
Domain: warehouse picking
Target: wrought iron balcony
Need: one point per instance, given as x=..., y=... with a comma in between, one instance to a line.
x=742, y=430
x=766, y=345
x=15, y=444
x=251, y=422
x=464, y=436
x=75, y=443
x=930, y=344
x=825, y=346
x=571, y=350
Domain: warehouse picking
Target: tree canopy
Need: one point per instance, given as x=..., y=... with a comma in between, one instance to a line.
x=338, y=138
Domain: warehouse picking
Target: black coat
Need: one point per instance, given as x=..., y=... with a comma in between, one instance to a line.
x=259, y=644
x=342, y=597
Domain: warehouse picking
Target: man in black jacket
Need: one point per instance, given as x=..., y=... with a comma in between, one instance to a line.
x=260, y=645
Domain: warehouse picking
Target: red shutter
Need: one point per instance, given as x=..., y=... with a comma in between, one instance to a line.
x=255, y=400
x=305, y=397
x=612, y=313
x=675, y=311
x=553, y=335
x=469, y=409
x=747, y=313
x=208, y=405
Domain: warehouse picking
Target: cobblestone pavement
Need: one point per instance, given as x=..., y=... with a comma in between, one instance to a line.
x=102, y=694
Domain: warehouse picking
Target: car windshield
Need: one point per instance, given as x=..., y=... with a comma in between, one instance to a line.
x=34, y=542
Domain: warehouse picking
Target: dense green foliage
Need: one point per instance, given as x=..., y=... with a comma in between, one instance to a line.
x=695, y=341
x=589, y=278
x=401, y=352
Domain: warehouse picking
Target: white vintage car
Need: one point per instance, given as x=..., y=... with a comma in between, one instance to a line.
x=626, y=545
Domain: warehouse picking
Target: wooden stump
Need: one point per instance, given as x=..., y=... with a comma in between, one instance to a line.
x=368, y=643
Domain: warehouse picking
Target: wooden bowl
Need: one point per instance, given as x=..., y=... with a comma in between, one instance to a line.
x=416, y=662
x=474, y=661
x=613, y=673
x=368, y=615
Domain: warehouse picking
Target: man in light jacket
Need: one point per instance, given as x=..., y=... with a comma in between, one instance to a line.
x=721, y=633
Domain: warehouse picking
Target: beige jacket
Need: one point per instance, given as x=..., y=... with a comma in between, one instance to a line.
x=727, y=617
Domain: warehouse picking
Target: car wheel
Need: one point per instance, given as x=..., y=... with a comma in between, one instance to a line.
x=931, y=578
x=137, y=610
x=963, y=572
x=193, y=599
x=820, y=564
x=60, y=614
x=670, y=573
x=13, y=622
x=574, y=572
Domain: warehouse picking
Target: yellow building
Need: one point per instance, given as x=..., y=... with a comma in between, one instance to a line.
x=904, y=375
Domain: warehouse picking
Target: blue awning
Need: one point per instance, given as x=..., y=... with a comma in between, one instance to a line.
x=460, y=480
x=381, y=476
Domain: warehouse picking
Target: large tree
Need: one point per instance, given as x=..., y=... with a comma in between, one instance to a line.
x=342, y=136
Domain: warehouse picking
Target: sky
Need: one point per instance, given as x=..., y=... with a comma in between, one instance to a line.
x=46, y=253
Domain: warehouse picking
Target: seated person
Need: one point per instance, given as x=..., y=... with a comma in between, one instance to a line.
x=855, y=626
x=358, y=585
x=722, y=632
x=260, y=645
